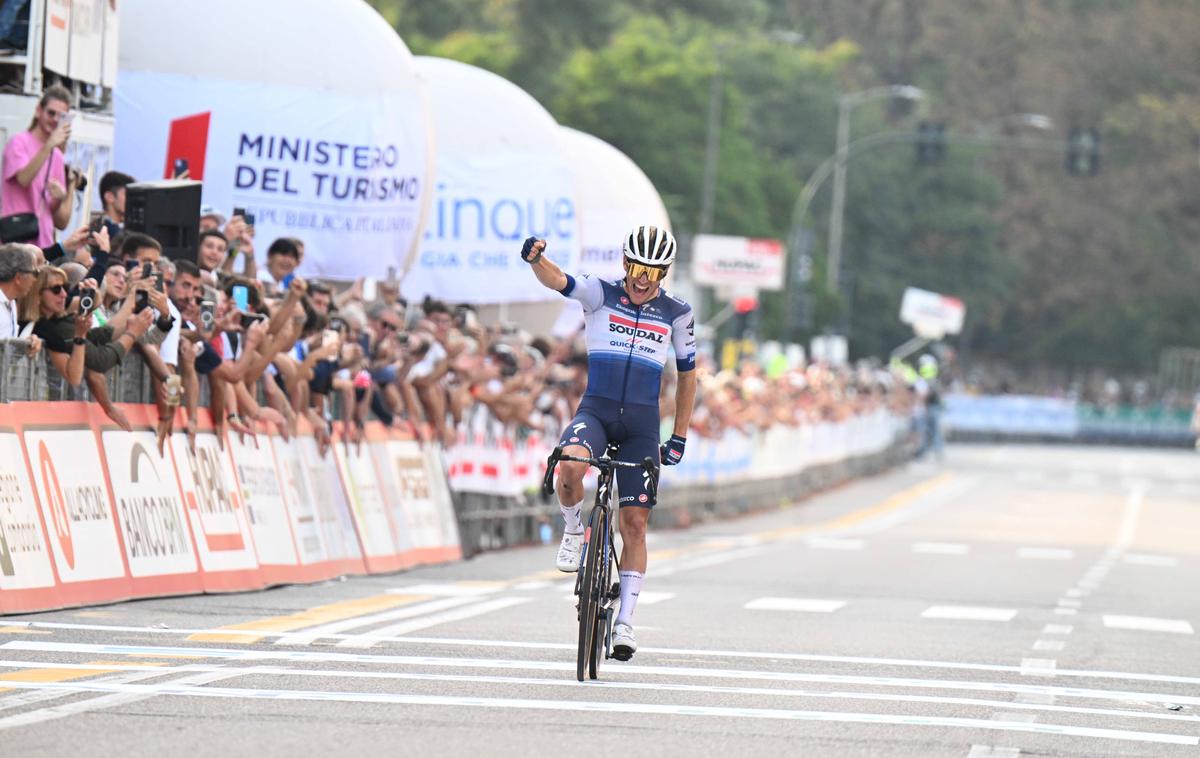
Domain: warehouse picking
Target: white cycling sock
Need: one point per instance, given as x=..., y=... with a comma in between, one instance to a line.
x=571, y=518
x=631, y=587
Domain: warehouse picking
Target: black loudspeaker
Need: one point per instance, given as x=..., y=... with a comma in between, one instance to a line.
x=167, y=210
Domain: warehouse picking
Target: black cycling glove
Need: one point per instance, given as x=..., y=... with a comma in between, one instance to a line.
x=527, y=253
x=672, y=451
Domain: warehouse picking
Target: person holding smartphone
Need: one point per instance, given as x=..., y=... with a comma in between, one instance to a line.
x=35, y=179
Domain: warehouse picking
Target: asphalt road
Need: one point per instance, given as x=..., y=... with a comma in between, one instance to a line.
x=1007, y=601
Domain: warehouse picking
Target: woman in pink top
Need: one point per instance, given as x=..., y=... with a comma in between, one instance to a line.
x=34, y=176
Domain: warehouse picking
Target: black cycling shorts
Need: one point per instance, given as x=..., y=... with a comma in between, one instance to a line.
x=599, y=421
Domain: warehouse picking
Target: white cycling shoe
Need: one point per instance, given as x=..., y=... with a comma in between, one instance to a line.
x=569, y=552
x=624, y=645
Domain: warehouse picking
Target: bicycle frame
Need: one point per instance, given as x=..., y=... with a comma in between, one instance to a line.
x=593, y=581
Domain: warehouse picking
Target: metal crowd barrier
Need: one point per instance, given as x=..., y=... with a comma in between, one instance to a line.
x=492, y=522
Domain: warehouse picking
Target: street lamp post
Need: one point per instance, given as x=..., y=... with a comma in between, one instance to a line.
x=846, y=104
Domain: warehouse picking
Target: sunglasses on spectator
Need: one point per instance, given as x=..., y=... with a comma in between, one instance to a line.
x=653, y=273
x=57, y=289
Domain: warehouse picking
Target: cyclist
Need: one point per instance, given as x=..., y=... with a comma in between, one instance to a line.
x=630, y=324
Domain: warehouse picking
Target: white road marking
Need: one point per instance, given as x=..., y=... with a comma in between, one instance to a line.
x=989, y=751
x=1051, y=645
x=544, y=645
x=140, y=691
x=375, y=636
x=969, y=613
x=1070, y=603
x=451, y=589
x=704, y=561
x=830, y=543
x=1022, y=702
x=809, y=605
x=1057, y=629
x=1133, y=508
x=124, y=694
x=1066, y=611
x=310, y=635
x=1076, y=592
x=650, y=598
x=1039, y=667
x=1140, y=559
x=1147, y=624
x=1046, y=553
x=940, y=548
x=527, y=586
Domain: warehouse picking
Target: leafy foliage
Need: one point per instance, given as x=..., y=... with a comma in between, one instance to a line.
x=1055, y=270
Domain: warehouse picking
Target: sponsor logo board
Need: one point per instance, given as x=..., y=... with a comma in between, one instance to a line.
x=24, y=555
x=300, y=495
x=263, y=500
x=213, y=504
x=70, y=486
x=366, y=499
x=149, y=509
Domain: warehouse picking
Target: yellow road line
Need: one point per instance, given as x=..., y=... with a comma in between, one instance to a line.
x=49, y=675
x=22, y=630
x=321, y=614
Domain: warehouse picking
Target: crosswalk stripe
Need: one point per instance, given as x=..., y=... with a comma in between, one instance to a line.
x=370, y=639
x=308, y=636
x=243, y=634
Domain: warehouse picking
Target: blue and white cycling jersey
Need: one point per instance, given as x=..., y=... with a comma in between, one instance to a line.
x=628, y=344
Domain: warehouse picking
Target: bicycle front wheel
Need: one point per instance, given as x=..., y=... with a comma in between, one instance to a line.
x=589, y=598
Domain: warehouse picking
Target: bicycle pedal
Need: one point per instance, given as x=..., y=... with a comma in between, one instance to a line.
x=614, y=592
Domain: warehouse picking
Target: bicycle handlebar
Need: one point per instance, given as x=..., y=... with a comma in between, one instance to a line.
x=648, y=464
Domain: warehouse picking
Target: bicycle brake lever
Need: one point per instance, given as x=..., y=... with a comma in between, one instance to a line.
x=651, y=469
x=548, y=479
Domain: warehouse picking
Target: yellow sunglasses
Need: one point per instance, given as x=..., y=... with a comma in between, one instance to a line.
x=653, y=273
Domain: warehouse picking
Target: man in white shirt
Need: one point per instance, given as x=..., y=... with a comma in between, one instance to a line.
x=18, y=273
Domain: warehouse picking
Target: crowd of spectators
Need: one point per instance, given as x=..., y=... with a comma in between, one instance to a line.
x=261, y=346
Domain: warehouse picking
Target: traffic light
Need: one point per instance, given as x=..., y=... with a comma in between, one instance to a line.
x=931, y=141
x=1083, y=152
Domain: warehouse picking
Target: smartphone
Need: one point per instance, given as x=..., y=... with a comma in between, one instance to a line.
x=95, y=221
x=241, y=297
x=239, y=212
x=248, y=320
x=67, y=117
x=249, y=219
x=147, y=270
x=141, y=301
x=330, y=337
x=370, y=289
x=158, y=281
x=208, y=314
x=181, y=165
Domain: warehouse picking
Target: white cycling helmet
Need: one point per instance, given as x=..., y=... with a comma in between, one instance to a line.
x=650, y=245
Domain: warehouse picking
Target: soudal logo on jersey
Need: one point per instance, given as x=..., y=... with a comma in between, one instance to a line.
x=652, y=332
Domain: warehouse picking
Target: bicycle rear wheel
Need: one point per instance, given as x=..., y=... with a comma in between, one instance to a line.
x=589, y=599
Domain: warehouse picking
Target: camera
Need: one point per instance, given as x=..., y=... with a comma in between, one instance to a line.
x=87, y=298
x=250, y=319
x=77, y=178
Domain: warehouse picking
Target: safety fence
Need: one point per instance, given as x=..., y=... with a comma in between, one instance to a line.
x=90, y=513
x=1047, y=419
x=497, y=478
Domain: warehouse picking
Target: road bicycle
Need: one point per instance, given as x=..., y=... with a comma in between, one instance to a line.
x=595, y=589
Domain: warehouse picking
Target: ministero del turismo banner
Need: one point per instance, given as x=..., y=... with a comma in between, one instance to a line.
x=345, y=174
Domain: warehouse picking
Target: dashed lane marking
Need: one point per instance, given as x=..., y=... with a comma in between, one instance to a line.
x=940, y=548
x=1057, y=629
x=1148, y=624
x=1140, y=559
x=452, y=589
x=829, y=543
x=245, y=633
x=1046, y=553
x=969, y=613
x=801, y=604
